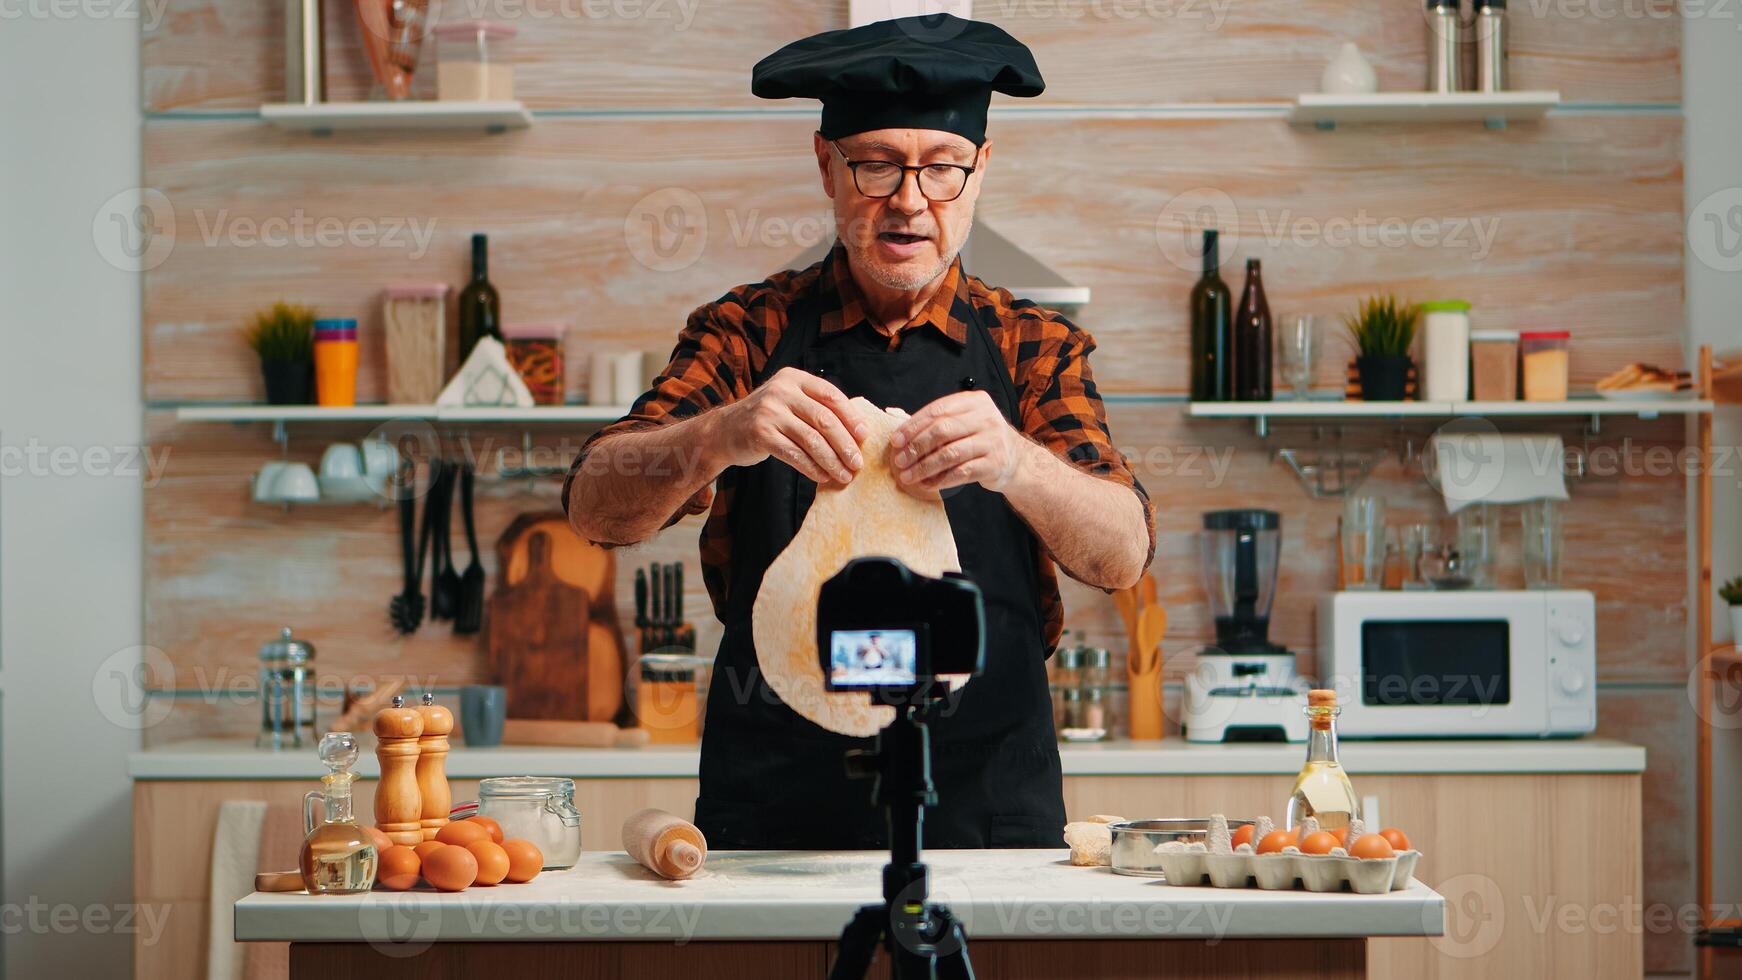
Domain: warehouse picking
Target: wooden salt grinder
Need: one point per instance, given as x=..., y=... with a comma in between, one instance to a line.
x=398, y=805
x=432, y=760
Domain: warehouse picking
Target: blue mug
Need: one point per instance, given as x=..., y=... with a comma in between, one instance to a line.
x=483, y=707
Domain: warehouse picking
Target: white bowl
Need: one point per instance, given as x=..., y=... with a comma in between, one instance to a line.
x=296, y=483
x=342, y=461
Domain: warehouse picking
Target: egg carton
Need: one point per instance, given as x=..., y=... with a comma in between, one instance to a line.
x=1193, y=864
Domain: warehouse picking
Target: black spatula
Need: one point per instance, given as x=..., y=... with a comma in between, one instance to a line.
x=406, y=610
x=469, y=616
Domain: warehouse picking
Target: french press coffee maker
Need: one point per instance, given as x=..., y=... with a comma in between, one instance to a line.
x=287, y=693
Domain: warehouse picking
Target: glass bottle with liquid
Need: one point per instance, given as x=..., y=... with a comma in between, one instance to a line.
x=336, y=858
x=1322, y=790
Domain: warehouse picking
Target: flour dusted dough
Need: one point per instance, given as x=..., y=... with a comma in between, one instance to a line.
x=871, y=515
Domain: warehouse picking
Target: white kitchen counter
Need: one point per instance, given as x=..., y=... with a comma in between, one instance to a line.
x=997, y=894
x=223, y=759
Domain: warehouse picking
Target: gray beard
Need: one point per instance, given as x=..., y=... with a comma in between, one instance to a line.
x=900, y=278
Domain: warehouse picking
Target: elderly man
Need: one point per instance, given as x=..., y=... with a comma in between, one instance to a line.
x=1006, y=424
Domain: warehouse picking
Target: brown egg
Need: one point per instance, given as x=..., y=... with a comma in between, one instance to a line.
x=1318, y=842
x=492, y=826
x=492, y=861
x=381, y=841
x=462, y=832
x=451, y=869
x=524, y=860
x=1242, y=835
x=1276, y=840
x=1396, y=838
x=1342, y=836
x=399, y=868
x=1371, y=847
x=427, y=846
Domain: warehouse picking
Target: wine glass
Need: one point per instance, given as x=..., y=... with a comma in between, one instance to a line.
x=1297, y=350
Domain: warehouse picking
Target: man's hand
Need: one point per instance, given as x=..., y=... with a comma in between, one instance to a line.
x=799, y=419
x=956, y=440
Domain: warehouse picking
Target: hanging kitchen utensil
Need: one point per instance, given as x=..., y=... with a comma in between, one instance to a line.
x=1143, y=672
x=406, y=610
x=446, y=589
x=538, y=641
x=469, y=617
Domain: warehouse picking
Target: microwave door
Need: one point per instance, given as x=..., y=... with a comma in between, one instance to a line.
x=1452, y=676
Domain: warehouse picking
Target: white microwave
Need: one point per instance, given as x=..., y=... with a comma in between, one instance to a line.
x=1466, y=664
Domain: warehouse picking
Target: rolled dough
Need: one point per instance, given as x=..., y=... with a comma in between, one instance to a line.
x=870, y=516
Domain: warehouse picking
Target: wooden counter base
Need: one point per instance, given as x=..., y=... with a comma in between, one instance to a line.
x=1066, y=959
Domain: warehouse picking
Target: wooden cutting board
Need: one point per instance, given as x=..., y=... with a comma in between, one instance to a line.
x=537, y=633
x=582, y=565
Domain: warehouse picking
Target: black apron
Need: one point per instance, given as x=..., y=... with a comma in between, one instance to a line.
x=771, y=778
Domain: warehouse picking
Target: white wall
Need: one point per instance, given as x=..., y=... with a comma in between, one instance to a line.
x=1711, y=77
x=70, y=559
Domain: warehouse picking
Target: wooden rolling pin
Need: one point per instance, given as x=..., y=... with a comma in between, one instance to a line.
x=578, y=734
x=669, y=846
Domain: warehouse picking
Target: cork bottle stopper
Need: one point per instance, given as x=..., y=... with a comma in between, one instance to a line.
x=1321, y=698
x=437, y=720
x=398, y=721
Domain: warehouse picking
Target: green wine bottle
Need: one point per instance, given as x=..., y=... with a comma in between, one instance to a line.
x=1212, y=330
x=480, y=309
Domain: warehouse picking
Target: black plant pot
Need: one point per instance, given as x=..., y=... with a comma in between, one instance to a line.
x=1384, y=377
x=288, y=382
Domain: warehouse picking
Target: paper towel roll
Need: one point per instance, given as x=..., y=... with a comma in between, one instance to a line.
x=1475, y=467
x=599, y=388
x=626, y=376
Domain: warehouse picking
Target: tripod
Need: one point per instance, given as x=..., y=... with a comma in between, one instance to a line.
x=924, y=939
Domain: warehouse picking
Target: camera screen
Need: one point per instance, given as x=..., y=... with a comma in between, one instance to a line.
x=872, y=658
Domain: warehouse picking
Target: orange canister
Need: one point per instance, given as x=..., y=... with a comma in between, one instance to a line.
x=336, y=363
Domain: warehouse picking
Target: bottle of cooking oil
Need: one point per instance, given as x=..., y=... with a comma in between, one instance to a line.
x=336, y=859
x=1322, y=789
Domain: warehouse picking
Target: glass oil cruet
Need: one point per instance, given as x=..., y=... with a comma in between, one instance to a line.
x=336, y=859
x=1322, y=790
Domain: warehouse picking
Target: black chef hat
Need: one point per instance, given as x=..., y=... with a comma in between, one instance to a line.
x=934, y=71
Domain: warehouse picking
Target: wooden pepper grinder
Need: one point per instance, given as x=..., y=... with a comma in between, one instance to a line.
x=398, y=804
x=432, y=760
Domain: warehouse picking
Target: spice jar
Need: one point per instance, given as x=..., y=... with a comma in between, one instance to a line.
x=539, y=809
x=535, y=350
x=1543, y=357
x=1066, y=669
x=1494, y=365
x=667, y=702
x=1086, y=705
x=413, y=318
x=472, y=62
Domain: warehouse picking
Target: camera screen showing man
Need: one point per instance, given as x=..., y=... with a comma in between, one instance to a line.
x=872, y=658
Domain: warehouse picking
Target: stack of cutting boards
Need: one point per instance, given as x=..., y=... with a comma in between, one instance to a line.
x=1145, y=624
x=553, y=638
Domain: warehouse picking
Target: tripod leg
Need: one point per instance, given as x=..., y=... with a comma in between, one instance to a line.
x=858, y=943
x=954, y=964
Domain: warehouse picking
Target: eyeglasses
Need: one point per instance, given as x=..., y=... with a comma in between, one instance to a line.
x=939, y=182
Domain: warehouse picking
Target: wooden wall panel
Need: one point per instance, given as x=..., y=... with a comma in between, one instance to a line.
x=1575, y=223
x=227, y=54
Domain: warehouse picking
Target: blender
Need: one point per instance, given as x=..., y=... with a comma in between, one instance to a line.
x=1244, y=688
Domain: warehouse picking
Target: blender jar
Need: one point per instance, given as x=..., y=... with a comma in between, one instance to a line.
x=1239, y=550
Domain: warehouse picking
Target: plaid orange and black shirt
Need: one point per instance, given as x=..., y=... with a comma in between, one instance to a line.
x=727, y=342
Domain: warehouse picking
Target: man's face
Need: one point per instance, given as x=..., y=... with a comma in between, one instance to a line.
x=906, y=240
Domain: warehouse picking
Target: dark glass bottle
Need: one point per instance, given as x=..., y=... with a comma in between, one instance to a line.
x=1252, y=333
x=480, y=310
x=1212, y=323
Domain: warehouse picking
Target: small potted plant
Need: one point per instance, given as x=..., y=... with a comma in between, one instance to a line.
x=284, y=337
x=1383, y=330
x=1731, y=592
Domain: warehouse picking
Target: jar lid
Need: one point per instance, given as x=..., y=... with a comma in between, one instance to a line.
x=1069, y=658
x=487, y=29
x=1096, y=657
x=286, y=650
x=416, y=290
x=1493, y=334
x=330, y=326
x=526, y=787
x=532, y=331
x=1446, y=306
x=1544, y=334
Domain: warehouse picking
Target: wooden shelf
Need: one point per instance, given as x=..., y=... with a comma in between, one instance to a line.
x=1495, y=109
x=379, y=413
x=327, y=117
x=1359, y=409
